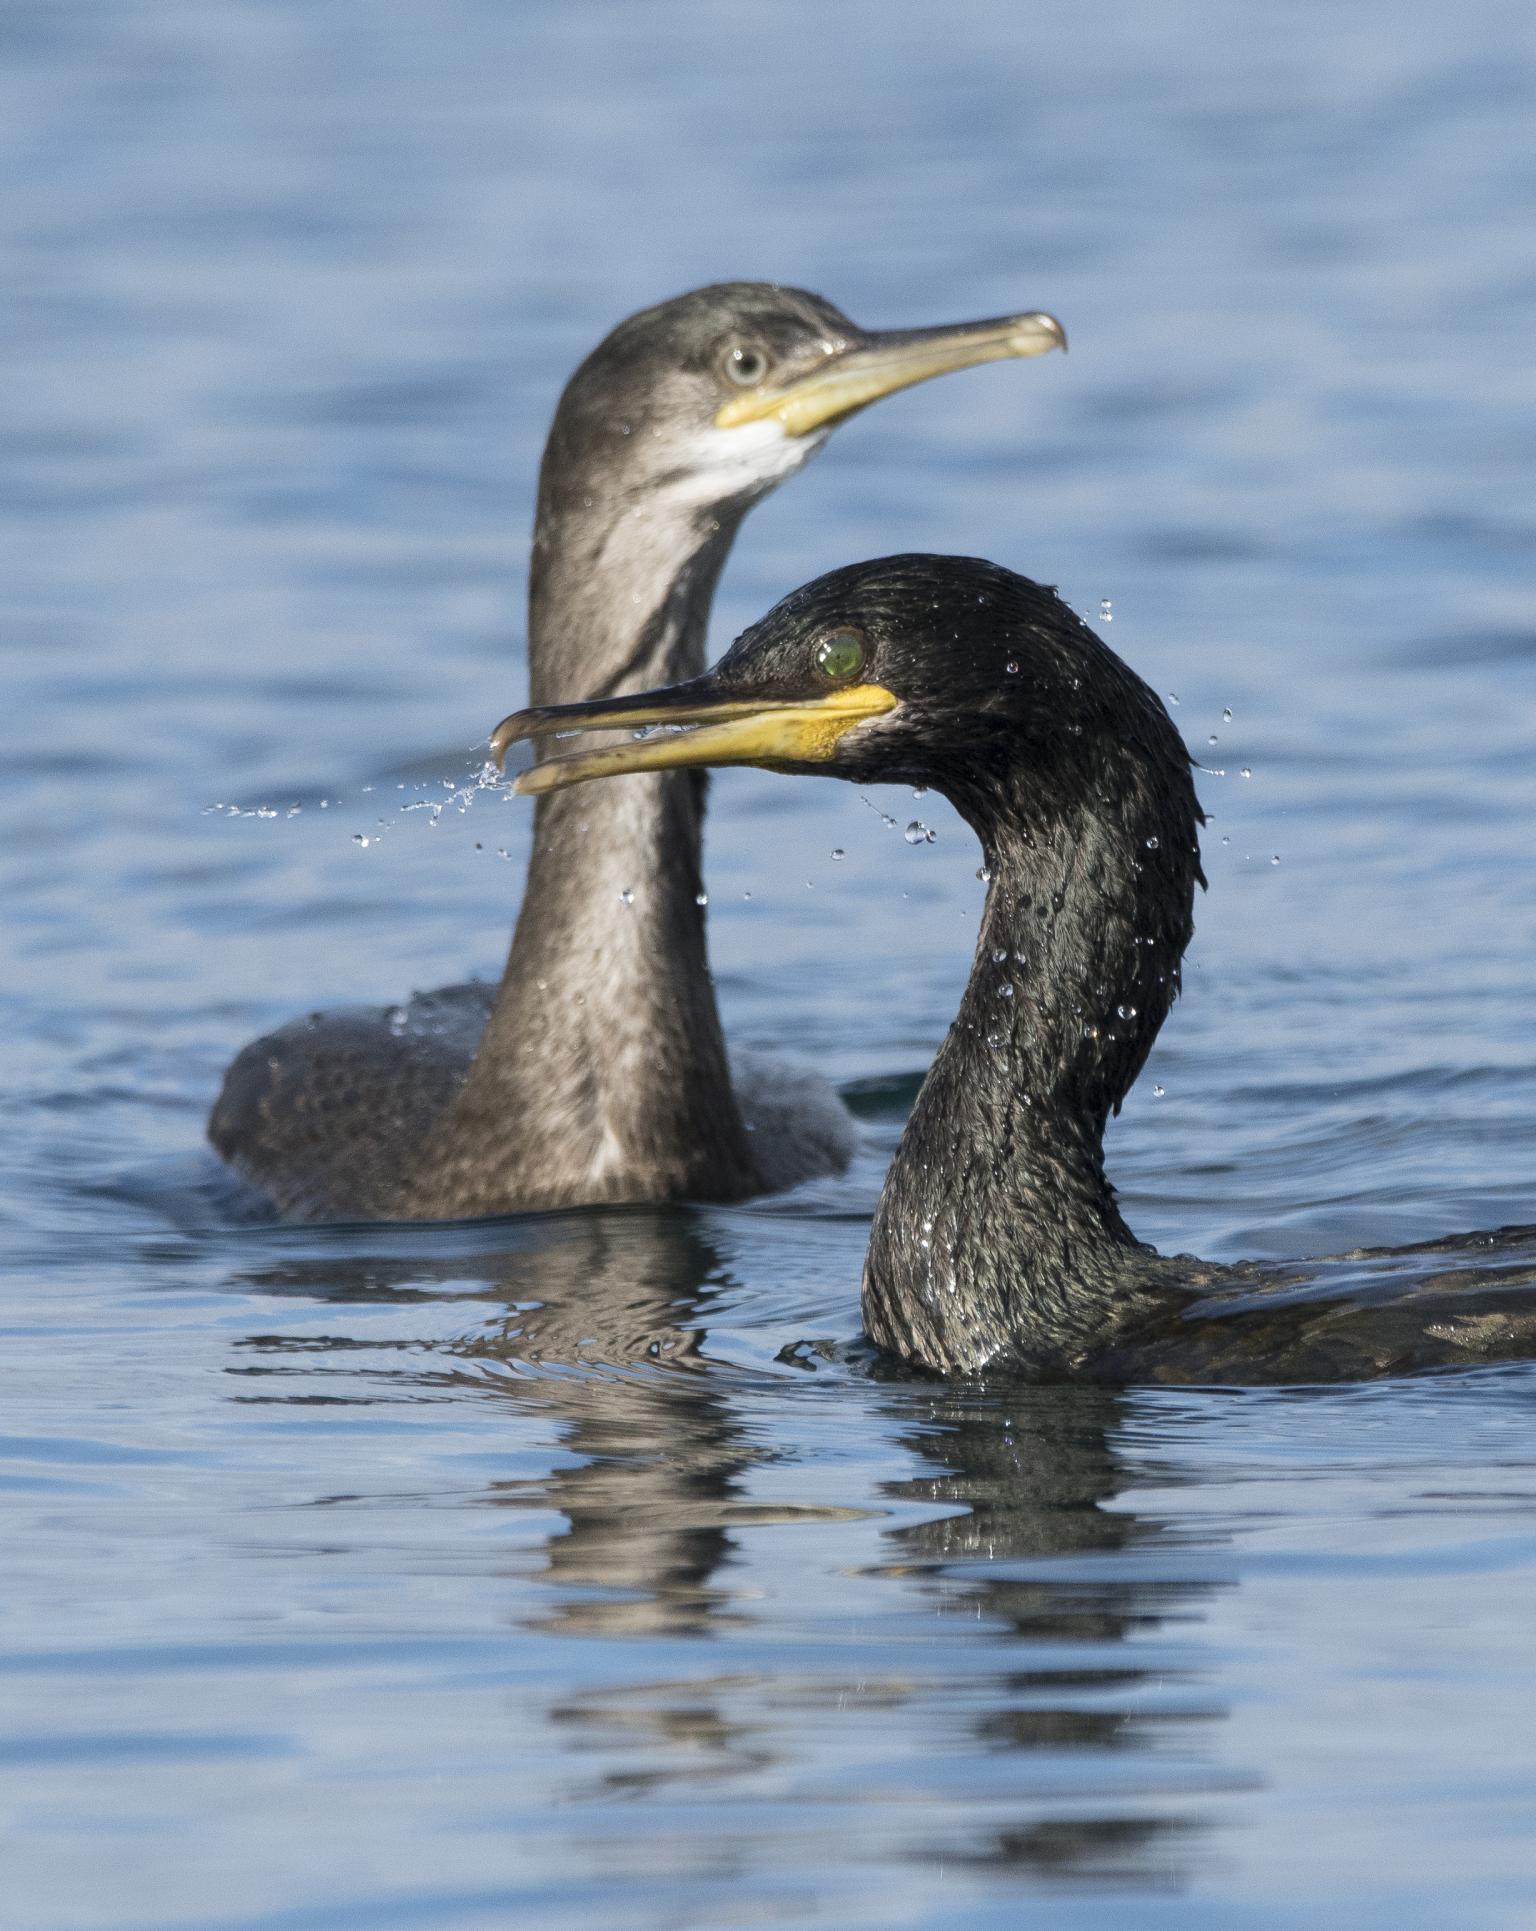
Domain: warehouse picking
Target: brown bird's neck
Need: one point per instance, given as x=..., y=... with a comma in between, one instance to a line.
x=602, y=1073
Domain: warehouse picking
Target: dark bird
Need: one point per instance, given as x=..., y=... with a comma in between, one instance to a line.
x=597, y=1071
x=998, y=1243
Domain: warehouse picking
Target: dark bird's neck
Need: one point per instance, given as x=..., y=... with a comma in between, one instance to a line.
x=602, y=1073
x=998, y=1235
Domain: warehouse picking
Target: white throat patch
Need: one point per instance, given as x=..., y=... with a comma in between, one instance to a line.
x=718, y=464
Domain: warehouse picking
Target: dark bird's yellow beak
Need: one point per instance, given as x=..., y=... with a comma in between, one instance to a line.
x=719, y=729
x=880, y=364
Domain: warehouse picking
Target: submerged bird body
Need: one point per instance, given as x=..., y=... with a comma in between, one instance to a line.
x=597, y=1070
x=997, y=1243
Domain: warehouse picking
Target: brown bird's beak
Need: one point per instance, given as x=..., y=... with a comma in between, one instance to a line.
x=880, y=364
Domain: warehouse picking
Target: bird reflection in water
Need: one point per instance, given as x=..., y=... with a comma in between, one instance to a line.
x=1007, y=1681
x=1062, y=1671
x=649, y=1505
x=1032, y=1481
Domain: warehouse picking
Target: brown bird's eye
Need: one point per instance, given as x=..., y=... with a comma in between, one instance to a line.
x=745, y=364
x=840, y=655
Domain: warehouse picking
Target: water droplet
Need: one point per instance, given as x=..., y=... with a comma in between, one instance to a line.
x=399, y=1019
x=1158, y=1092
x=1012, y=667
x=995, y=1041
x=1090, y=1032
x=1125, y=1012
x=746, y=895
x=325, y=804
x=837, y=851
x=1106, y=611
x=1173, y=697
x=1152, y=844
x=984, y=874
x=361, y=838
x=1247, y=771
x=919, y=791
x=1226, y=841
x=1226, y=714
x=626, y=896
x=1276, y=859
x=917, y=833
x=1000, y=956
x=1005, y=991
x=701, y=898
x=1212, y=738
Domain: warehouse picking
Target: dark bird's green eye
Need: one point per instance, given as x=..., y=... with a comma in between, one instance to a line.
x=840, y=655
x=744, y=364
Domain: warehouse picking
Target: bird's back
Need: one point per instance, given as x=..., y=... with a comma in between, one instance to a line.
x=328, y=1115
x=1465, y=1301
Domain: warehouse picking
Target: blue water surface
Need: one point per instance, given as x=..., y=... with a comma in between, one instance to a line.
x=553, y=1572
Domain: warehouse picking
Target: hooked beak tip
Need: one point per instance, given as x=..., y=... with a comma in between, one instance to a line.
x=505, y=734
x=1036, y=334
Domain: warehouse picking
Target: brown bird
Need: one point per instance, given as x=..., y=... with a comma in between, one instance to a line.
x=597, y=1070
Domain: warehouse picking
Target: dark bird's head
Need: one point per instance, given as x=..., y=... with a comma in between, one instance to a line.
x=715, y=396
x=949, y=672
